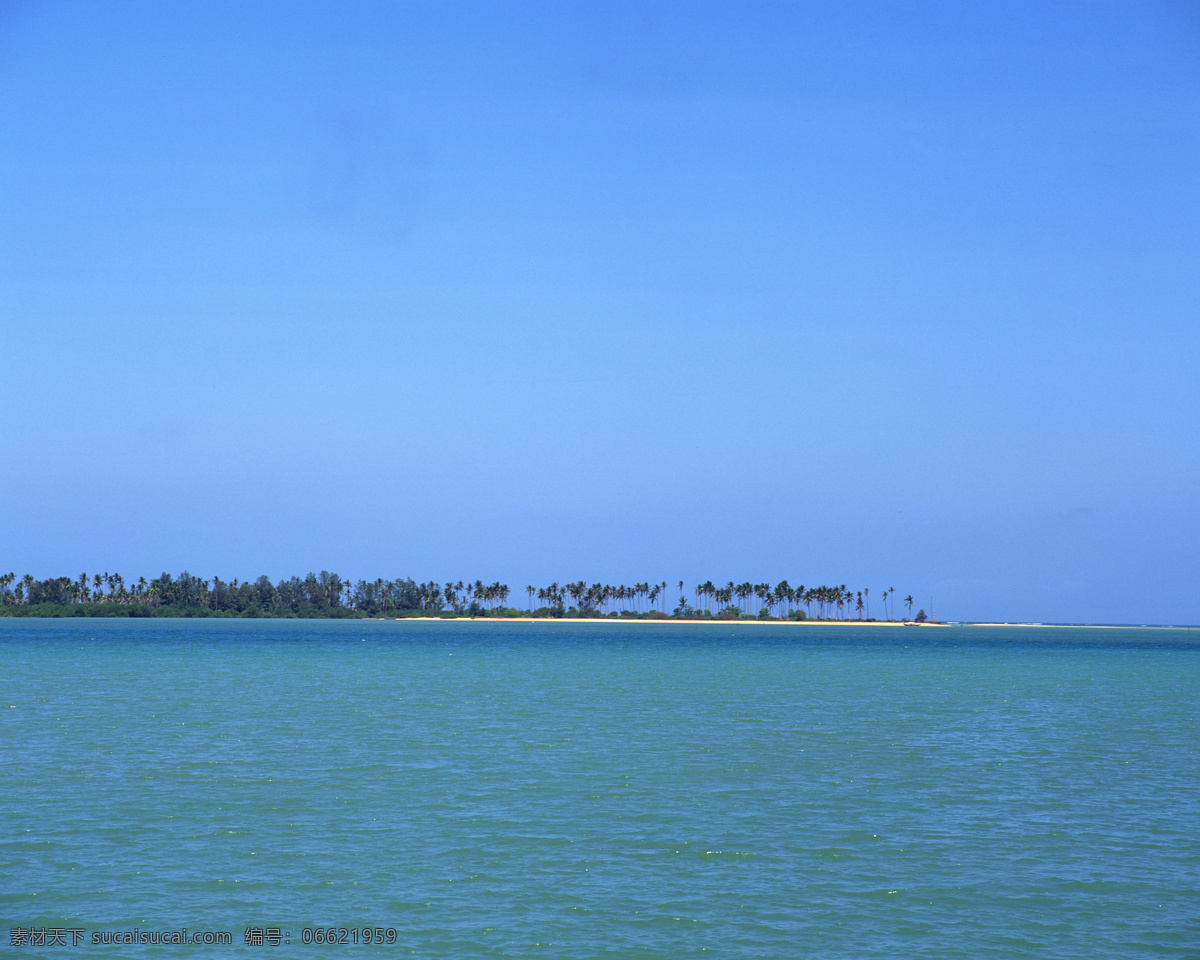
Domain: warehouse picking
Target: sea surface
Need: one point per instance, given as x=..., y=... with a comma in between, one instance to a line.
x=559, y=790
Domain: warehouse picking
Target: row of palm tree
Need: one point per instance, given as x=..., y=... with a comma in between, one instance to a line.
x=755, y=598
x=329, y=591
x=600, y=597
x=85, y=589
x=315, y=591
x=752, y=599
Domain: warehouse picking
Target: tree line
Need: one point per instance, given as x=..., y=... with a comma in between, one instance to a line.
x=327, y=594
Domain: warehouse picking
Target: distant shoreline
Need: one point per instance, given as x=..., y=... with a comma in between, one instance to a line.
x=125, y=613
x=795, y=623
x=327, y=595
x=684, y=620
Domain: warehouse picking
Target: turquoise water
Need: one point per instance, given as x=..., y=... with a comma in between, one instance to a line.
x=570, y=790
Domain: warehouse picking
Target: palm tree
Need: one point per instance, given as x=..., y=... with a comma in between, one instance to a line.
x=784, y=593
x=908, y=602
x=719, y=595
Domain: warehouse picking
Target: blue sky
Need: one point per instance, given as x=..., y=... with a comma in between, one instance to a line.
x=877, y=294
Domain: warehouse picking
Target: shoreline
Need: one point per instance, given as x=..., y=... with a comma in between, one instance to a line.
x=790, y=623
x=9, y=615
x=614, y=620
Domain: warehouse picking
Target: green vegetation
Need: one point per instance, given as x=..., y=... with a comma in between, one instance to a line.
x=328, y=595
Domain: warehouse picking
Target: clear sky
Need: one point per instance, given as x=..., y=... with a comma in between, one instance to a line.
x=889, y=295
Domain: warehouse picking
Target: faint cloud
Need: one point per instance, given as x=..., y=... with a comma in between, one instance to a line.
x=364, y=176
x=164, y=434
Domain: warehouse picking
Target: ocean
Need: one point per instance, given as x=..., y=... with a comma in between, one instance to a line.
x=563, y=790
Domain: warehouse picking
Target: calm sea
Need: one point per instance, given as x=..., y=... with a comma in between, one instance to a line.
x=573, y=791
